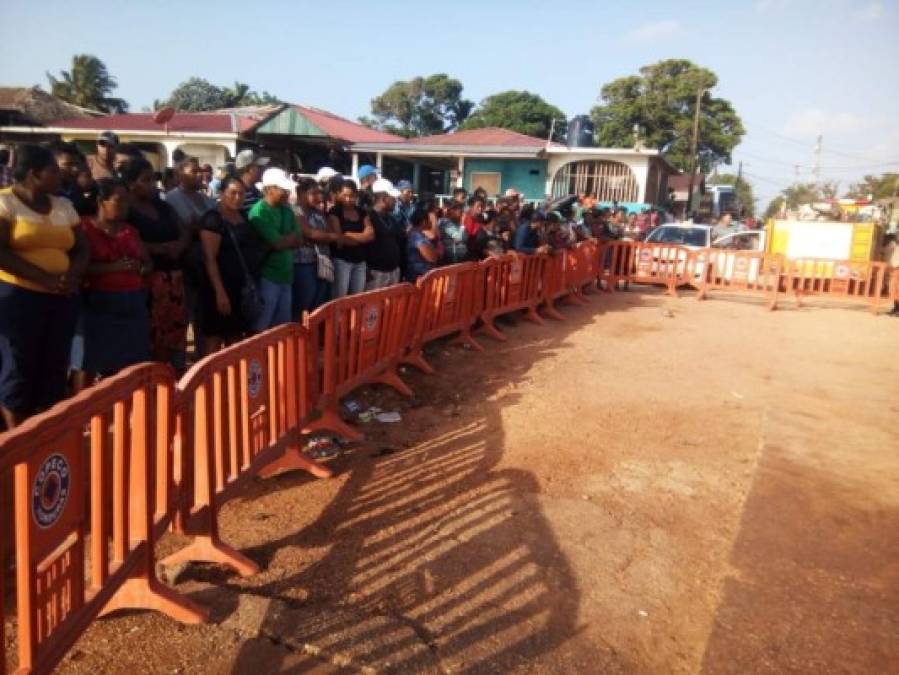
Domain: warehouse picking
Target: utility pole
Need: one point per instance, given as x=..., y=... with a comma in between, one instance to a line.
x=737, y=188
x=693, y=149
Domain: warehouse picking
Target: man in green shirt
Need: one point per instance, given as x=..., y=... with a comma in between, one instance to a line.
x=280, y=233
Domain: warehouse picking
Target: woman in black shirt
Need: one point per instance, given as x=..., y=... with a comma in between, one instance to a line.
x=229, y=243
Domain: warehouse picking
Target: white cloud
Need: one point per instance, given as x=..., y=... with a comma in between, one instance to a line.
x=657, y=30
x=870, y=12
x=813, y=121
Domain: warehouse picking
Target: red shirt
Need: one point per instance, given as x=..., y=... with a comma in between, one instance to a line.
x=470, y=224
x=107, y=248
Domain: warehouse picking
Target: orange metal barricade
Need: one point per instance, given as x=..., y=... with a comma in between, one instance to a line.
x=553, y=287
x=449, y=301
x=237, y=416
x=835, y=278
x=614, y=261
x=511, y=283
x=353, y=341
x=83, y=550
x=726, y=270
x=581, y=269
x=658, y=264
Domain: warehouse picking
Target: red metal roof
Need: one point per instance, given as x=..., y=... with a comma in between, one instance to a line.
x=338, y=127
x=489, y=136
x=217, y=123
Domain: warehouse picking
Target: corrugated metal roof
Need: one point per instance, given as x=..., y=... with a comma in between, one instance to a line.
x=338, y=127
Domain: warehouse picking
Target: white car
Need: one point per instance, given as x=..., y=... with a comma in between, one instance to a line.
x=687, y=235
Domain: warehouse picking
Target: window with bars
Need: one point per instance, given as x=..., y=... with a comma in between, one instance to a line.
x=607, y=179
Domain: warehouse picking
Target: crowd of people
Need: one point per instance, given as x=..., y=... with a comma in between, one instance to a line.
x=105, y=262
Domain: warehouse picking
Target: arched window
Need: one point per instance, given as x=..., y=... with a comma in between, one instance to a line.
x=608, y=180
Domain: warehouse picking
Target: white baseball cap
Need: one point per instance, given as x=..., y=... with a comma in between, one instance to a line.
x=325, y=173
x=275, y=177
x=384, y=185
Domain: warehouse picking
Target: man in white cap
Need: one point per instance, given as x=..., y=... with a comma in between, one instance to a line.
x=383, y=253
x=248, y=167
x=325, y=174
x=274, y=222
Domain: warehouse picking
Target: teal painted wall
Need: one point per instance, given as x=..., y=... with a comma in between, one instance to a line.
x=516, y=173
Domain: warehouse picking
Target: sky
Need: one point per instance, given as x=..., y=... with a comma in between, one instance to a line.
x=793, y=69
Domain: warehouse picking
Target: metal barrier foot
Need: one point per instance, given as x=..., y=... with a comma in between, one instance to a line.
x=465, y=339
x=392, y=379
x=294, y=460
x=418, y=360
x=331, y=421
x=488, y=327
x=533, y=317
x=209, y=548
x=147, y=592
x=550, y=310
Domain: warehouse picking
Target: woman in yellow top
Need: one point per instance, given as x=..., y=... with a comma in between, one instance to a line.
x=43, y=255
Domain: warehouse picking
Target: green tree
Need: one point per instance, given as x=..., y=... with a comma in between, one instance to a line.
x=775, y=206
x=878, y=187
x=519, y=111
x=88, y=84
x=420, y=107
x=661, y=101
x=197, y=94
x=743, y=188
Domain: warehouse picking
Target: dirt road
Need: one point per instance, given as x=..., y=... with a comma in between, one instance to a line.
x=652, y=486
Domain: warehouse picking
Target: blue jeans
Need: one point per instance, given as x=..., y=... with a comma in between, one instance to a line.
x=275, y=305
x=349, y=278
x=309, y=292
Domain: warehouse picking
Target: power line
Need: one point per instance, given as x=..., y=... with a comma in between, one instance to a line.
x=828, y=150
x=857, y=167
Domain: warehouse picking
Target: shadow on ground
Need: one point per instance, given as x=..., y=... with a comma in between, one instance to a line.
x=437, y=561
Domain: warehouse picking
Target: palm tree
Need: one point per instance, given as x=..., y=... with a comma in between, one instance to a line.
x=88, y=84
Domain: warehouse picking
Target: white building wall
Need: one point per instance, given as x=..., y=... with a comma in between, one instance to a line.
x=638, y=164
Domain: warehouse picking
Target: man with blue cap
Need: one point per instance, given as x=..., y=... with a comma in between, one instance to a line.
x=366, y=175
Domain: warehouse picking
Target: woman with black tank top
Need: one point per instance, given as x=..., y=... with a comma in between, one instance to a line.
x=355, y=230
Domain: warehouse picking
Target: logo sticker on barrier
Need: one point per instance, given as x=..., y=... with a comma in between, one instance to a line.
x=254, y=377
x=50, y=491
x=371, y=315
x=842, y=271
x=740, y=268
x=644, y=262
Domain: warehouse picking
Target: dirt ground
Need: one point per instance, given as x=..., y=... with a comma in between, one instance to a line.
x=654, y=485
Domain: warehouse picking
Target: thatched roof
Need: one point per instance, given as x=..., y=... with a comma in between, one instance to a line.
x=32, y=106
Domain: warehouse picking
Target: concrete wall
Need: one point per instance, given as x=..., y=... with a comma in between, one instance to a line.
x=528, y=176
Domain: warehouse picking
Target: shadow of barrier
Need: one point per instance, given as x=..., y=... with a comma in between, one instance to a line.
x=98, y=478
